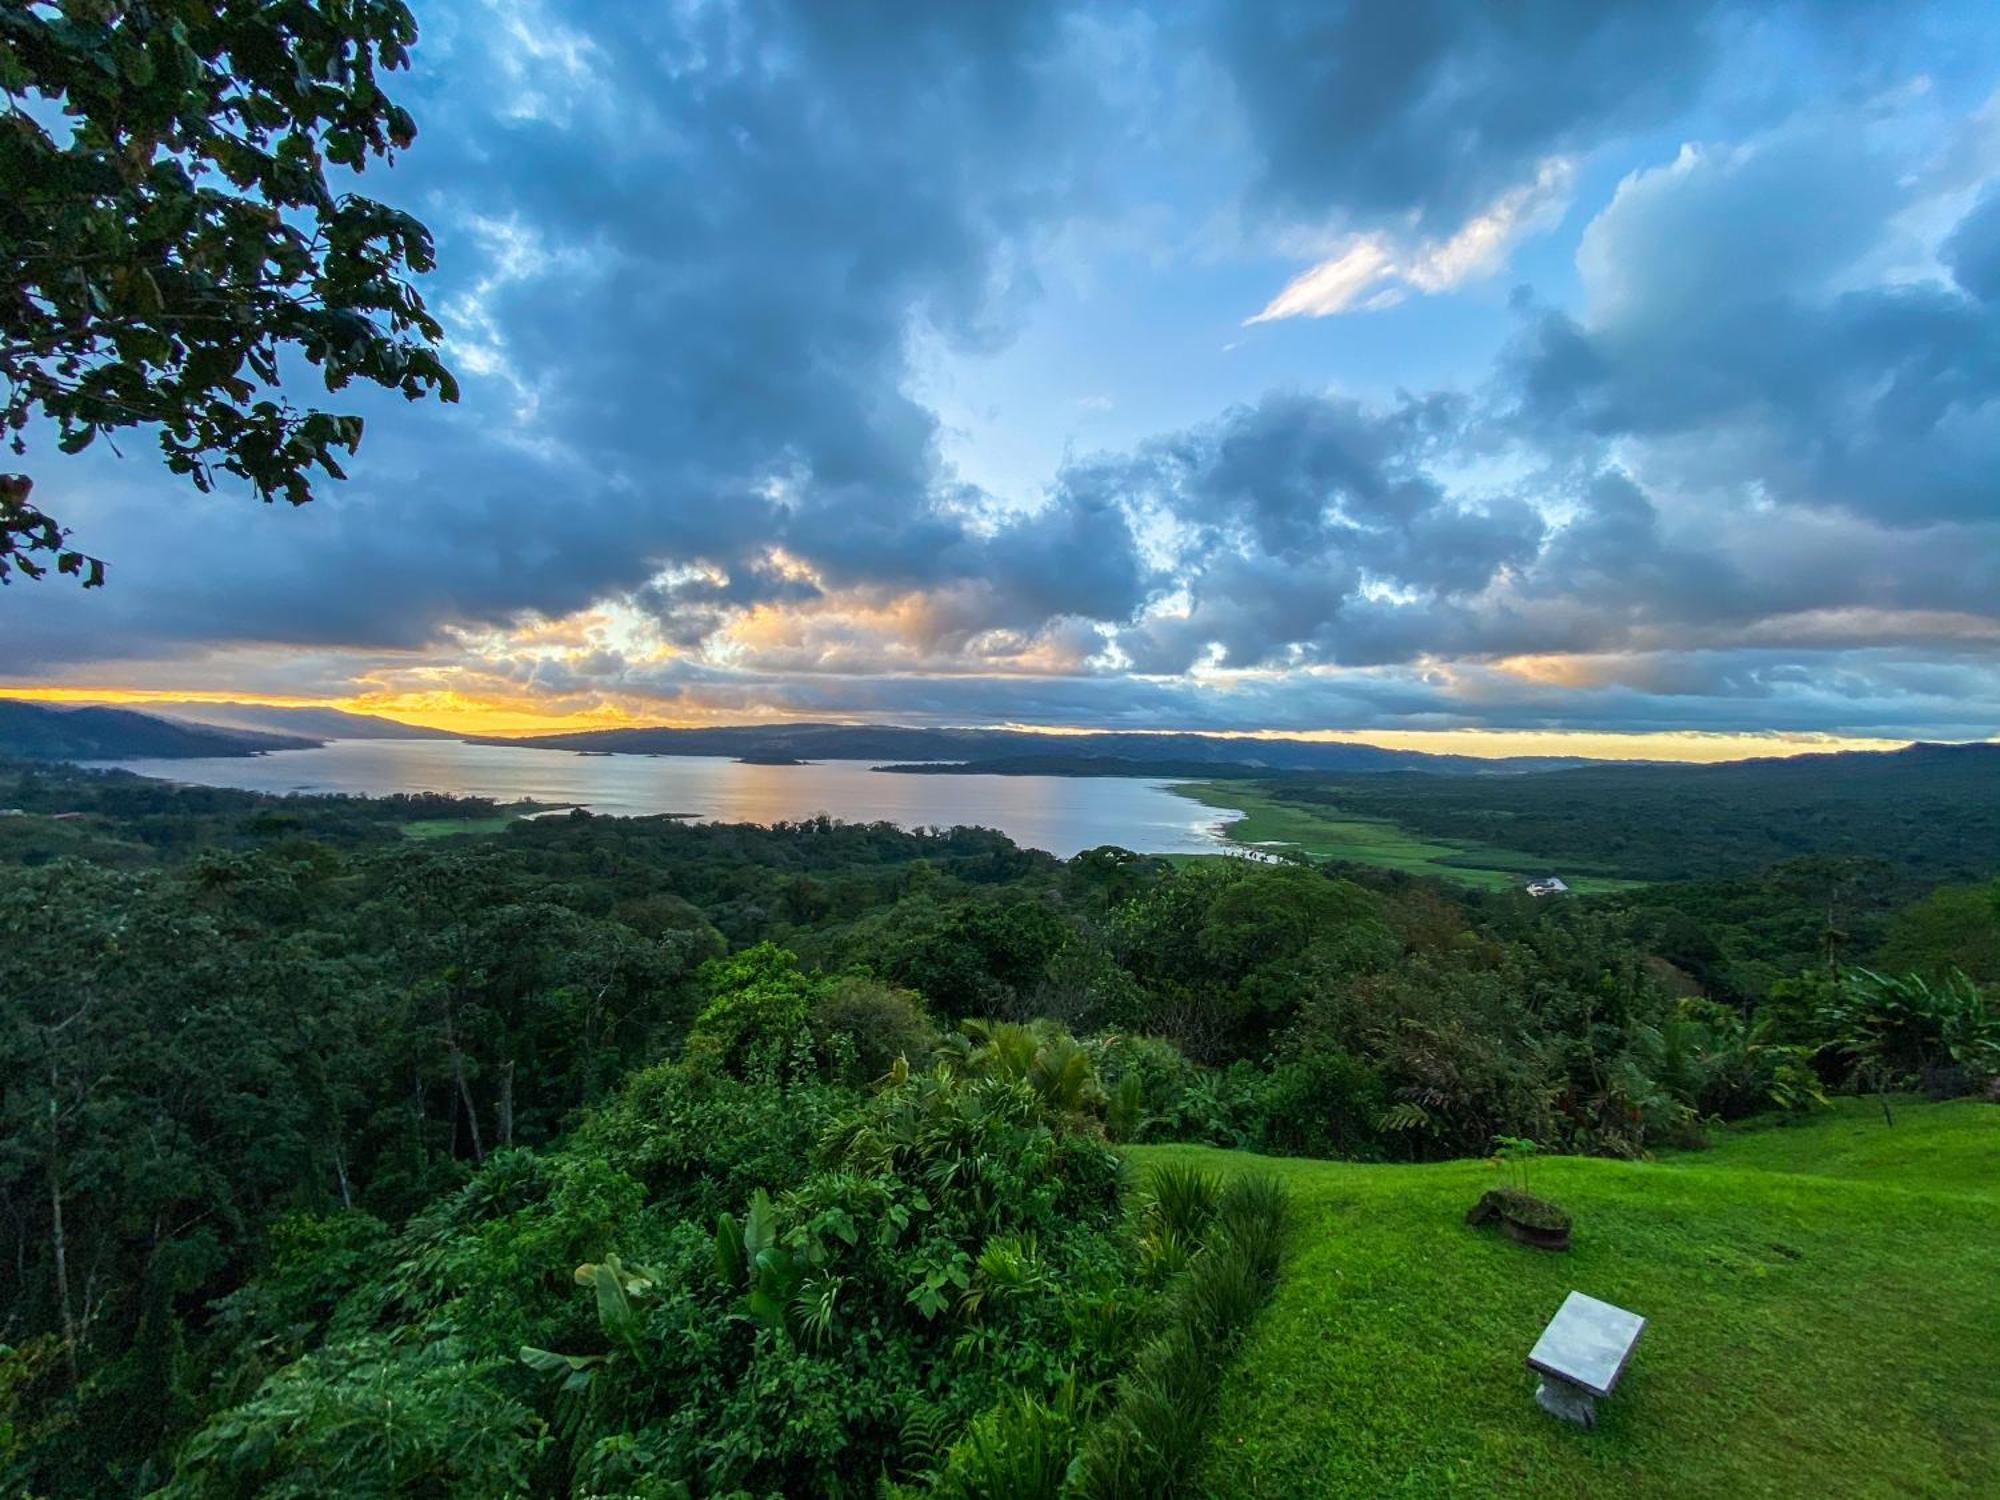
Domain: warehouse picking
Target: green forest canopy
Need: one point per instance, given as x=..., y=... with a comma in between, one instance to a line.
x=308, y=1124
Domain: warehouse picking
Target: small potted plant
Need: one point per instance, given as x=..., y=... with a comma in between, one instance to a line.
x=1523, y=1216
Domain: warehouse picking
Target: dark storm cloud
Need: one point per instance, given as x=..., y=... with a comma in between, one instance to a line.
x=1432, y=107
x=1973, y=250
x=1869, y=694
x=1727, y=331
x=1076, y=556
x=1424, y=111
x=1295, y=512
x=1314, y=529
x=682, y=249
x=1288, y=465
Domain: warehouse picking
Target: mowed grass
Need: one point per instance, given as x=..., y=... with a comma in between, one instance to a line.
x=1372, y=841
x=1822, y=1334
x=1950, y=1148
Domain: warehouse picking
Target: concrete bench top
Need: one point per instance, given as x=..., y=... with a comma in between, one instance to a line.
x=1587, y=1343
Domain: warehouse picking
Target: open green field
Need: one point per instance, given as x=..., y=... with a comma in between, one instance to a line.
x=1373, y=841
x=498, y=822
x=1823, y=1301
x=1950, y=1148
x=444, y=828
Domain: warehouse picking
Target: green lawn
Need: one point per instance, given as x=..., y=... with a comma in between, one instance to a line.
x=1823, y=1306
x=1372, y=841
x=444, y=828
x=1952, y=1148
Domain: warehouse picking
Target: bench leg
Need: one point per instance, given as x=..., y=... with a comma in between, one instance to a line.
x=1570, y=1402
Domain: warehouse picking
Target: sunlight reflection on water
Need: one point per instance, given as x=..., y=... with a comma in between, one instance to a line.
x=1061, y=814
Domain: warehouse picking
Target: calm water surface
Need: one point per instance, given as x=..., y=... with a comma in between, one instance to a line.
x=1061, y=814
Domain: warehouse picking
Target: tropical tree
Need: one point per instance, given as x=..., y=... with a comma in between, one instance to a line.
x=1905, y=1032
x=170, y=228
x=1042, y=1055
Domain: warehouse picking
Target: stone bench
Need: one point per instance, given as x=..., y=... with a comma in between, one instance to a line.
x=1580, y=1356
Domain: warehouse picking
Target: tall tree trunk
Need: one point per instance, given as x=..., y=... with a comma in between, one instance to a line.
x=464, y=1088
x=340, y=1174
x=58, y=1236
x=504, y=1110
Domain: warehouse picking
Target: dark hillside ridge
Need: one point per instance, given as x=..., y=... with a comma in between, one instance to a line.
x=316, y=723
x=1209, y=770
x=1023, y=752
x=32, y=731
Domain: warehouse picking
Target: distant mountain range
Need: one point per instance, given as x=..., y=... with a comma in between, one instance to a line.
x=1111, y=753
x=34, y=731
x=315, y=723
x=185, y=729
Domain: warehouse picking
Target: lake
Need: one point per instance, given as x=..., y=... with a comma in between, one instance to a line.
x=1062, y=814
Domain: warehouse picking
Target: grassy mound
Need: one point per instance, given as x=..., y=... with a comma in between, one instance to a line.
x=1940, y=1148
x=1823, y=1298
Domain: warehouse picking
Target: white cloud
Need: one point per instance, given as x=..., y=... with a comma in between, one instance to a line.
x=1375, y=270
x=1335, y=284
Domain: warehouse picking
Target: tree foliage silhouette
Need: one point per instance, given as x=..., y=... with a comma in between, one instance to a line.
x=171, y=227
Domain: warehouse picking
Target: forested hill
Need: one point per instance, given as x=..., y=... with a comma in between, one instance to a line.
x=1131, y=753
x=1928, y=811
x=31, y=731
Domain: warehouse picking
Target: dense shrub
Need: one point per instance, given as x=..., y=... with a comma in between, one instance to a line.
x=369, y=1417
x=965, y=1218
x=1149, y=1443
x=1321, y=1102
x=1900, y=1033
x=758, y=1002
x=863, y=1026
x=699, y=1140
x=1142, y=1436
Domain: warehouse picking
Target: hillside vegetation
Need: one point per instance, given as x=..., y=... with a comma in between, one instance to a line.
x=1928, y=812
x=1270, y=819
x=360, y=1147
x=1821, y=1298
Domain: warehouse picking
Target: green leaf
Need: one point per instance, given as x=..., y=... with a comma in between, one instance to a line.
x=766, y=1308
x=614, y=1307
x=760, y=1232
x=548, y=1362
x=729, y=1261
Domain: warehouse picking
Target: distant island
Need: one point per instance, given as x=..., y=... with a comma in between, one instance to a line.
x=1079, y=765
x=768, y=758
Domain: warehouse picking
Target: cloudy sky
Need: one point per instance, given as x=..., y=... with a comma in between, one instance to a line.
x=1608, y=366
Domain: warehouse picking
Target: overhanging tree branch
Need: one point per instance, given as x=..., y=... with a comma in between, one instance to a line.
x=156, y=263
